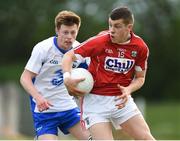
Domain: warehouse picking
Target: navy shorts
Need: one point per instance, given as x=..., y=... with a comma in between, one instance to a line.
x=48, y=123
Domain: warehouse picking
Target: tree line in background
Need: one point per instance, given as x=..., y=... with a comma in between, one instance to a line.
x=23, y=23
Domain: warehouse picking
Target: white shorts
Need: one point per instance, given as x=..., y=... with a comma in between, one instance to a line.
x=97, y=109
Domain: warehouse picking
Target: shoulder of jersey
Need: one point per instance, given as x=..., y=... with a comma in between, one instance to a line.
x=45, y=44
x=138, y=40
x=102, y=36
x=104, y=32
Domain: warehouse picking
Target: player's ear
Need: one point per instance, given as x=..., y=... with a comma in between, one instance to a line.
x=130, y=26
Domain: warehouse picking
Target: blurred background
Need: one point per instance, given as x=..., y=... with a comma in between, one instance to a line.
x=23, y=23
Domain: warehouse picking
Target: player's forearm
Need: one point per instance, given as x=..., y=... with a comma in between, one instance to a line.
x=29, y=87
x=136, y=84
x=67, y=60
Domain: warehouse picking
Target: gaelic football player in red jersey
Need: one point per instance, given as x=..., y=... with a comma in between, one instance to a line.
x=118, y=65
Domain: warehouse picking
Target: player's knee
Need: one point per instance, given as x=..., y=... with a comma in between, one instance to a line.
x=146, y=135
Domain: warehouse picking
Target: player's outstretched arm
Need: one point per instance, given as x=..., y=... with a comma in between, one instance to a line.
x=26, y=82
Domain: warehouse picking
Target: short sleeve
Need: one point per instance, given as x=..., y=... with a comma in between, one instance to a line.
x=141, y=62
x=36, y=59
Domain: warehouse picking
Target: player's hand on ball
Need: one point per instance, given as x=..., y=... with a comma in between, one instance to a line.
x=71, y=85
x=78, y=82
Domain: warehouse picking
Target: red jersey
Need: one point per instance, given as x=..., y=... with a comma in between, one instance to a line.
x=111, y=63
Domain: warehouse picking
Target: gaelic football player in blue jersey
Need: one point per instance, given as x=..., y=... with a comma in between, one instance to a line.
x=52, y=107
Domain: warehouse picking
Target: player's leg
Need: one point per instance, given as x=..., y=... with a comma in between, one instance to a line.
x=47, y=137
x=46, y=126
x=101, y=131
x=70, y=123
x=137, y=128
x=130, y=119
x=96, y=114
x=99, y=125
x=78, y=132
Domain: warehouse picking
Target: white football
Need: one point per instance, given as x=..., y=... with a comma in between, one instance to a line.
x=85, y=85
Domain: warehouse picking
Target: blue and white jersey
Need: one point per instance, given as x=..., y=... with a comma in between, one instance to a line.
x=46, y=61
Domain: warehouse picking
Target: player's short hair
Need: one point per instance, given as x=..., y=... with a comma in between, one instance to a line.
x=122, y=13
x=68, y=18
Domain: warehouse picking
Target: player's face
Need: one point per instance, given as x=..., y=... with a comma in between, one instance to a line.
x=119, y=32
x=66, y=36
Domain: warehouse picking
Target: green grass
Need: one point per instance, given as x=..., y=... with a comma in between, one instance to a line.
x=164, y=120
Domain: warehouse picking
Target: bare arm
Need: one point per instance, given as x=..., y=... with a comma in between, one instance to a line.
x=136, y=84
x=67, y=61
x=70, y=84
x=26, y=82
x=138, y=81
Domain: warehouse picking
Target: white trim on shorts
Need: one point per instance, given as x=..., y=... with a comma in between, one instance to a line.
x=98, y=108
